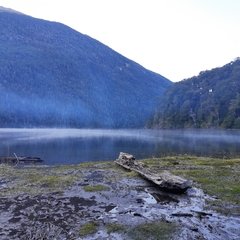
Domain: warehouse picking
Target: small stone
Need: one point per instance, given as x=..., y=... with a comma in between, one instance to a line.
x=194, y=229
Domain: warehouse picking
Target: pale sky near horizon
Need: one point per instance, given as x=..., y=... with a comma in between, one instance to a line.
x=176, y=38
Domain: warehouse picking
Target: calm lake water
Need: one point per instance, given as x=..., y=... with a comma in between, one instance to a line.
x=68, y=146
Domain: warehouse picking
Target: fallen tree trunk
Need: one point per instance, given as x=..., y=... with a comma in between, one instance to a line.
x=20, y=159
x=165, y=180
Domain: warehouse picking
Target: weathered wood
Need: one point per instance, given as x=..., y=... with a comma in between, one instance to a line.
x=165, y=180
x=14, y=160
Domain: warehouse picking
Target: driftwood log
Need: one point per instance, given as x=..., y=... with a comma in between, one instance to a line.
x=20, y=159
x=165, y=180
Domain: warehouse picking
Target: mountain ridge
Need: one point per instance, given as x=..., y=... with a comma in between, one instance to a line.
x=209, y=100
x=51, y=75
x=10, y=10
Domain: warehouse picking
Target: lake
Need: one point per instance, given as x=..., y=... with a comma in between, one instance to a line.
x=70, y=146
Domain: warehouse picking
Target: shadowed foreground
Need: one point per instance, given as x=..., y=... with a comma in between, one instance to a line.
x=101, y=201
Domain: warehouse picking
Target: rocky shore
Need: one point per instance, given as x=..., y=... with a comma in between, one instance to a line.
x=104, y=201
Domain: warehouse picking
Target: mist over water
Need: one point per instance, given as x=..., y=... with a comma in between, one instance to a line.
x=68, y=146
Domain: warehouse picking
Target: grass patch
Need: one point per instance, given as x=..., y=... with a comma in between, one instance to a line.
x=56, y=181
x=97, y=165
x=221, y=182
x=5, y=170
x=87, y=165
x=88, y=229
x=95, y=188
x=219, y=177
x=115, y=227
x=153, y=231
x=130, y=174
x=35, y=180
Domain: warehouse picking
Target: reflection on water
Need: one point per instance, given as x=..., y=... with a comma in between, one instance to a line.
x=63, y=146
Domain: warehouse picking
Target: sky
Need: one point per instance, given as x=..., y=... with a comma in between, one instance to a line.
x=175, y=38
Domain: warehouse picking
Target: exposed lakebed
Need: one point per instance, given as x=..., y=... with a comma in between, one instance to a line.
x=103, y=201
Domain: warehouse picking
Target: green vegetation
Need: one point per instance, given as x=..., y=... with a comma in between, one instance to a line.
x=217, y=177
x=211, y=99
x=115, y=227
x=56, y=181
x=95, y=188
x=153, y=231
x=36, y=180
x=88, y=229
x=130, y=174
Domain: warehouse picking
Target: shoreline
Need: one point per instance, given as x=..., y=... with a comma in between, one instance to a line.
x=99, y=200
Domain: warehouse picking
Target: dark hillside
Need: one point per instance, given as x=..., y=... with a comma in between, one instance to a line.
x=212, y=99
x=52, y=75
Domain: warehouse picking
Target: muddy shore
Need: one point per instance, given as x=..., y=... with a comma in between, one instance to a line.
x=104, y=201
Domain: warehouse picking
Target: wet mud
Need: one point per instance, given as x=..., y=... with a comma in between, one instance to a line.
x=128, y=201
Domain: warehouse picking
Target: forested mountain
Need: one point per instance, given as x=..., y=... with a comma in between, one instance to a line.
x=211, y=99
x=52, y=75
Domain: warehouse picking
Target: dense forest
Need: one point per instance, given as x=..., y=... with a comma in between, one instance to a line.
x=54, y=76
x=209, y=100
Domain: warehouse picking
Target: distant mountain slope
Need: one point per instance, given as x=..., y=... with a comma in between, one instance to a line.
x=211, y=99
x=51, y=75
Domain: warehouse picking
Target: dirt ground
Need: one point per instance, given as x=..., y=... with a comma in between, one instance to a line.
x=103, y=201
